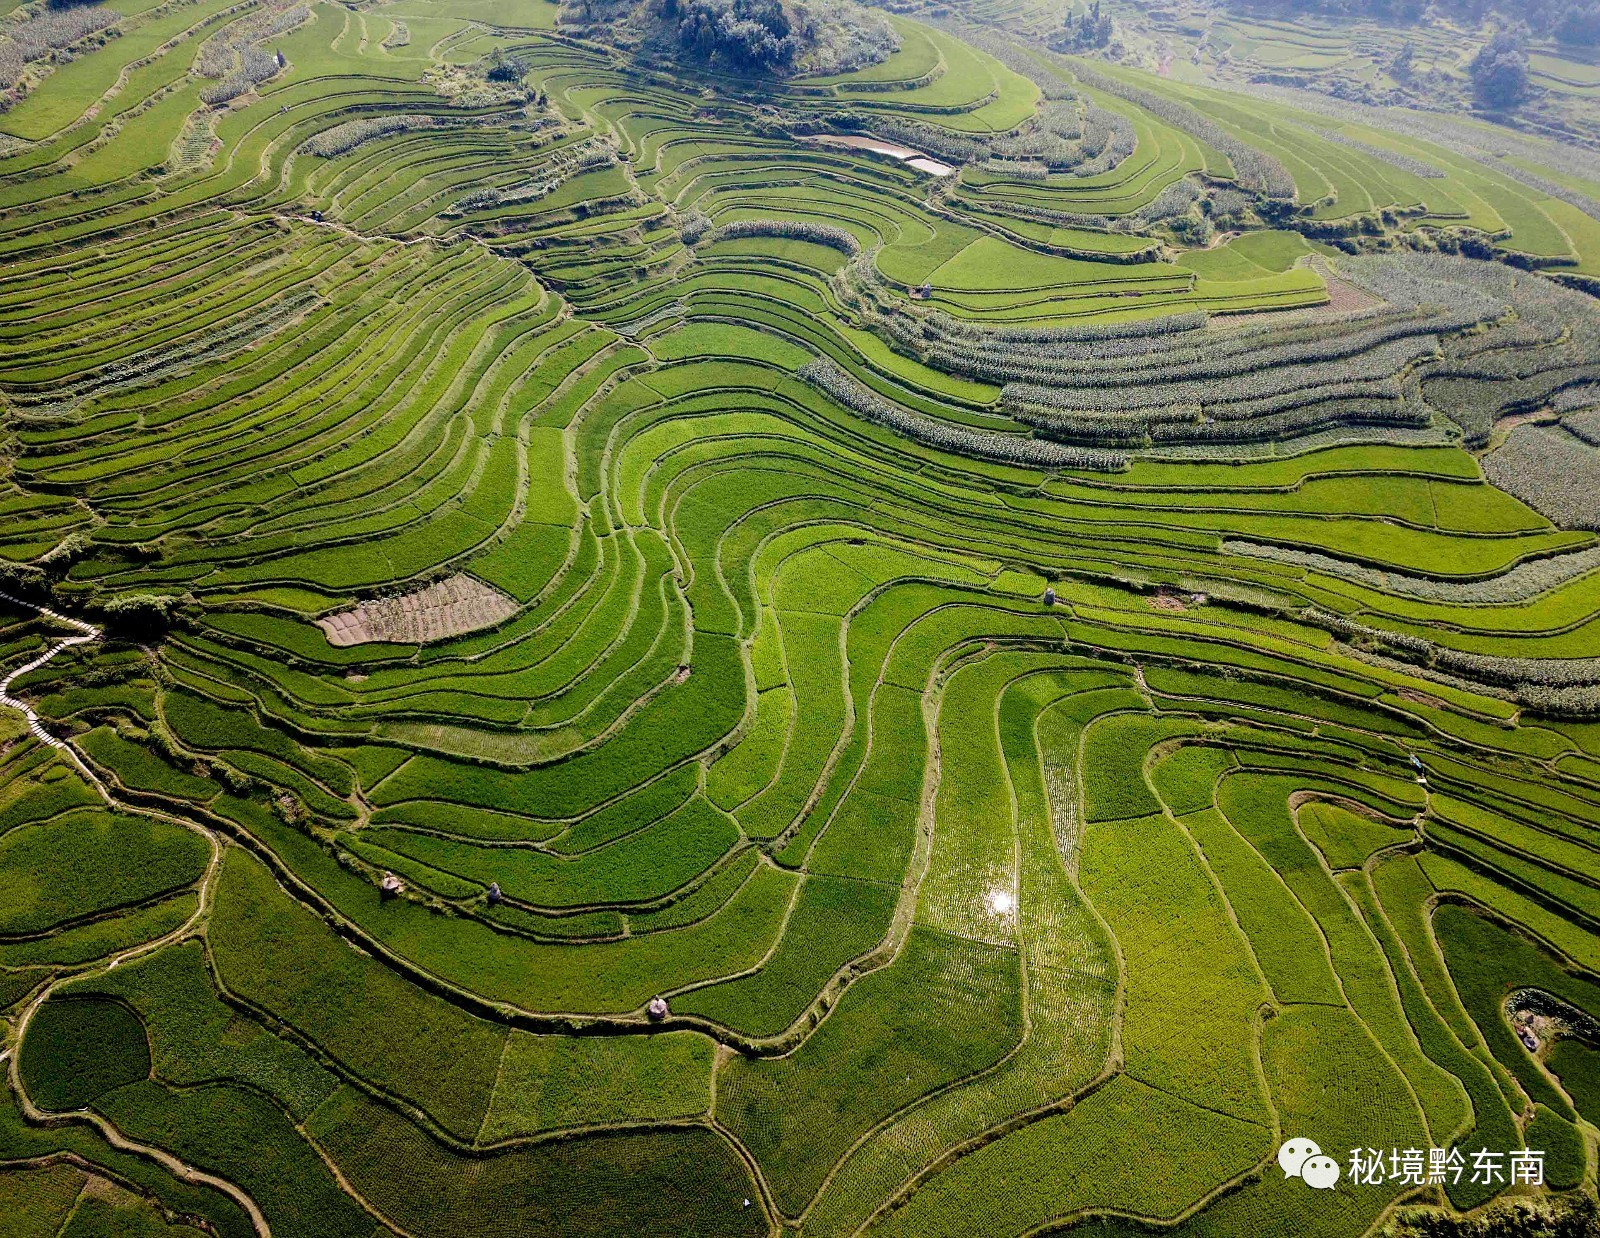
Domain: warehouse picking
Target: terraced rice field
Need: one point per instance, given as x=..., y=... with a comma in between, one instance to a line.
x=582, y=662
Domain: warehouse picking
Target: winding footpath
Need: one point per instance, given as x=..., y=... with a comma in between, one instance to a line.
x=86, y=632
x=9, y=1059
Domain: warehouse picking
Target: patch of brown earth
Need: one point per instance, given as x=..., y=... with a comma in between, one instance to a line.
x=1168, y=598
x=1501, y=430
x=1345, y=298
x=96, y=1187
x=450, y=607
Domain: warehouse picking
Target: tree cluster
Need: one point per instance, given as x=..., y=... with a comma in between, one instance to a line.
x=503, y=68
x=1092, y=32
x=740, y=35
x=1500, y=75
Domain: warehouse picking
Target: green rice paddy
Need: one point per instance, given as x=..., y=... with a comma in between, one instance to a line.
x=974, y=704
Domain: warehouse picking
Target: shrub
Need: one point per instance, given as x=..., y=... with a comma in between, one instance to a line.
x=57, y=28
x=693, y=226
x=1254, y=169
x=1521, y=583
x=352, y=133
x=1554, y=472
x=842, y=37
x=142, y=614
x=1229, y=204
x=235, y=55
x=749, y=35
x=1501, y=78
x=830, y=235
x=1550, y=685
x=503, y=68
x=1061, y=137
x=1573, y=1216
x=943, y=143
x=828, y=377
x=255, y=67
x=1115, y=385
x=566, y=163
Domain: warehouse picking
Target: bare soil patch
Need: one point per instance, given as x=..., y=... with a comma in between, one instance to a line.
x=452, y=607
x=1345, y=298
x=1166, y=598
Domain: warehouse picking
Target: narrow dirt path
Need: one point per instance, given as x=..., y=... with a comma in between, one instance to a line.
x=177, y=1168
x=12, y=1058
x=86, y=632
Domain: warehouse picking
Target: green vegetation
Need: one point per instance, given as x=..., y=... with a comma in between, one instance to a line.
x=81, y=864
x=751, y=618
x=80, y=1050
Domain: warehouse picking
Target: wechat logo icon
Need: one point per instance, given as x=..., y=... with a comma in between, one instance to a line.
x=1300, y=1158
